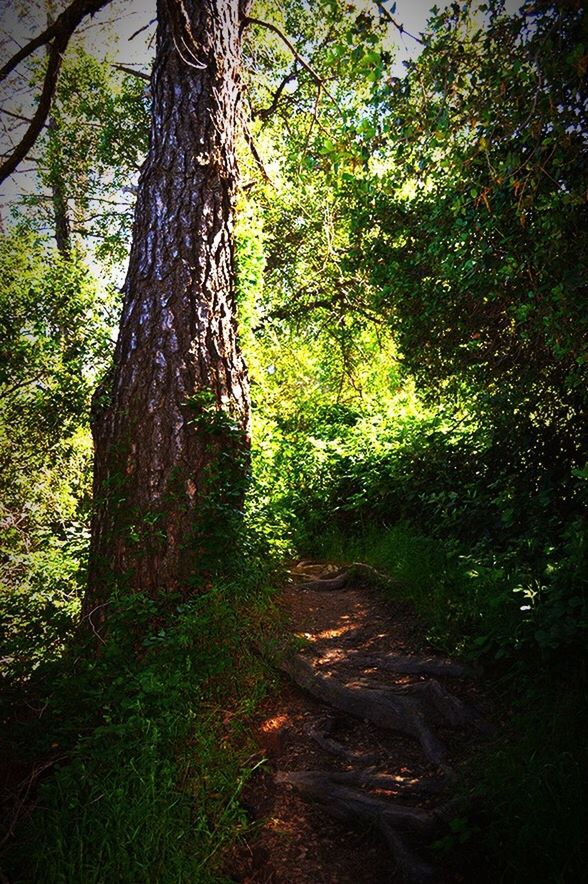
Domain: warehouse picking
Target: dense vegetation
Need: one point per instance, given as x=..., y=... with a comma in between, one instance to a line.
x=411, y=276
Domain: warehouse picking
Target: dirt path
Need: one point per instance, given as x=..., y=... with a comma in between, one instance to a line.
x=362, y=742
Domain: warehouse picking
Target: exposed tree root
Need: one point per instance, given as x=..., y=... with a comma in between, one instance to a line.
x=345, y=671
x=384, y=707
x=322, y=736
x=385, y=782
x=352, y=804
x=439, y=704
x=370, y=574
x=333, y=791
x=410, y=665
x=321, y=575
x=411, y=866
x=307, y=566
x=455, y=712
x=322, y=583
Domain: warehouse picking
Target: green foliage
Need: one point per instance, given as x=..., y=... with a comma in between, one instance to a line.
x=91, y=155
x=471, y=220
x=148, y=742
x=54, y=340
x=54, y=328
x=534, y=782
x=442, y=227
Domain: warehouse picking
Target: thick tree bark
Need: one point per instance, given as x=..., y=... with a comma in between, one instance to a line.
x=171, y=422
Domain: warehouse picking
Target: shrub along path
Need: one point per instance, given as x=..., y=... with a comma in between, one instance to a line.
x=364, y=743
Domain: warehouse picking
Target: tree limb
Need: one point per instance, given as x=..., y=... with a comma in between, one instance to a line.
x=313, y=121
x=248, y=20
x=133, y=73
x=265, y=112
x=63, y=27
x=4, y=110
x=140, y=30
x=297, y=311
x=398, y=25
x=255, y=153
x=57, y=37
x=40, y=116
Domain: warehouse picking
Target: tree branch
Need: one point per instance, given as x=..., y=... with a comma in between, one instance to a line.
x=398, y=25
x=144, y=28
x=127, y=70
x=312, y=122
x=256, y=156
x=57, y=37
x=4, y=110
x=297, y=311
x=63, y=27
x=40, y=116
x=264, y=112
x=248, y=20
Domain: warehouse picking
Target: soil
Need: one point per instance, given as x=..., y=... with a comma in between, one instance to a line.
x=343, y=633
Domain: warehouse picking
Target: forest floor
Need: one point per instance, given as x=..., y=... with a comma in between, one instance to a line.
x=364, y=741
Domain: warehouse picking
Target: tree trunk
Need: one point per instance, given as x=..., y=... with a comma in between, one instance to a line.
x=61, y=222
x=171, y=422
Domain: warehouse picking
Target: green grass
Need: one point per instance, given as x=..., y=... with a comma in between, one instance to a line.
x=133, y=812
x=466, y=605
x=156, y=744
x=533, y=781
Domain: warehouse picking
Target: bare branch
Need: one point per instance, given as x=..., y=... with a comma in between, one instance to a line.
x=40, y=116
x=265, y=112
x=63, y=27
x=56, y=37
x=398, y=25
x=4, y=110
x=312, y=122
x=255, y=152
x=299, y=58
x=140, y=30
x=133, y=73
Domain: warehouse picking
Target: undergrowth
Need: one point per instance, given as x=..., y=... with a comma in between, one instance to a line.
x=144, y=745
x=529, y=781
x=532, y=783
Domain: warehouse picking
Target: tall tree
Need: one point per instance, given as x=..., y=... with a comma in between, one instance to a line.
x=171, y=421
